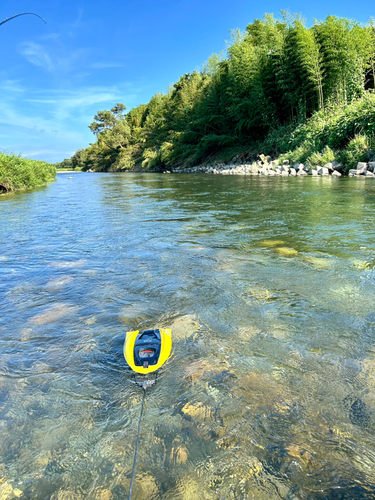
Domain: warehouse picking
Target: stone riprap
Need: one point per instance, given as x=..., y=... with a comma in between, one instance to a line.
x=273, y=168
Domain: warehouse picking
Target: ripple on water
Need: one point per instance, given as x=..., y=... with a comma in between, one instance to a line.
x=269, y=392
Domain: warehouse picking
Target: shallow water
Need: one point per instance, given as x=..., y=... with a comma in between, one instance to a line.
x=268, y=286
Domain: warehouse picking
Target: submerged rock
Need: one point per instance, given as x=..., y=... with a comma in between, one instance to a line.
x=359, y=412
x=61, y=281
x=286, y=252
x=184, y=326
x=196, y=412
x=7, y=492
x=53, y=313
x=179, y=455
x=272, y=243
x=68, y=264
x=103, y=494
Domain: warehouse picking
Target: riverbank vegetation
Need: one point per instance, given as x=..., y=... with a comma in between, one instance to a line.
x=21, y=173
x=282, y=88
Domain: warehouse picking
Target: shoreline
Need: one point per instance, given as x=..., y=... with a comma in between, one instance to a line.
x=265, y=166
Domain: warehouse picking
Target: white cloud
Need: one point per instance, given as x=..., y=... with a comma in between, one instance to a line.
x=105, y=65
x=54, y=58
x=37, y=54
x=51, y=123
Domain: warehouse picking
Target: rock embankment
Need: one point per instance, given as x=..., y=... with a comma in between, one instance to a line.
x=363, y=169
x=266, y=166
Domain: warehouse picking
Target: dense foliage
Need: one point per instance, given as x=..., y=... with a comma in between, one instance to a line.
x=21, y=173
x=282, y=87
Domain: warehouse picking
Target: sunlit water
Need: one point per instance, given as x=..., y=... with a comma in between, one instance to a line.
x=268, y=286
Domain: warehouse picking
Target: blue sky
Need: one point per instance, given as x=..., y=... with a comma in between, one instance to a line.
x=92, y=54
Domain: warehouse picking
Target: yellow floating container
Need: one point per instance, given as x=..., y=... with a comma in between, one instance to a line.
x=146, y=351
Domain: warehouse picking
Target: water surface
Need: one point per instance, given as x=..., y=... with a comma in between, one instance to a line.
x=268, y=286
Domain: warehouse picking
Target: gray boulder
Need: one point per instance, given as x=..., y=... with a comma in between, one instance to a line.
x=361, y=167
x=335, y=173
x=329, y=166
x=336, y=165
x=370, y=155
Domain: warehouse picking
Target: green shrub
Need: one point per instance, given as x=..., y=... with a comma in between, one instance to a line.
x=321, y=158
x=354, y=152
x=21, y=173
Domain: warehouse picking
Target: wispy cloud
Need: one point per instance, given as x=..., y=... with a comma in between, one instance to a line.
x=11, y=86
x=53, y=123
x=53, y=57
x=37, y=54
x=105, y=65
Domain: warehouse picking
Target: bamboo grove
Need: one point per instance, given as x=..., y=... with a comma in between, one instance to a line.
x=281, y=87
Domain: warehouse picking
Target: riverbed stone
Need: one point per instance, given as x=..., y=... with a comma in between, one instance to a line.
x=371, y=166
x=335, y=173
x=293, y=171
x=179, y=454
x=184, y=326
x=324, y=171
x=315, y=172
x=196, y=412
x=272, y=243
x=68, y=264
x=301, y=172
x=53, y=314
x=286, y=251
x=60, y=282
x=369, y=174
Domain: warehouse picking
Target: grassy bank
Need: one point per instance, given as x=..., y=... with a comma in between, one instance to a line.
x=21, y=173
x=345, y=133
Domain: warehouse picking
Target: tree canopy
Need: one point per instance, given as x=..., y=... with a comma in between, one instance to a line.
x=277, y=73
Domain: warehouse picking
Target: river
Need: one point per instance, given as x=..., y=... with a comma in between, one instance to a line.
x=268, y=287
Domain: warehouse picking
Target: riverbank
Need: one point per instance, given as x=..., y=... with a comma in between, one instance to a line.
x=265, y=166
x=18, y=173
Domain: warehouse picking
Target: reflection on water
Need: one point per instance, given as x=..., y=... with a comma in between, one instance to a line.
x=268, y=286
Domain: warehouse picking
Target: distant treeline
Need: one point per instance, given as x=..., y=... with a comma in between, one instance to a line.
x=281, y=88
x=21, y=173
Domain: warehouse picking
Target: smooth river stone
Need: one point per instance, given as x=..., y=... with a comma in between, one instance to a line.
x=53, y=313
x=68, y=264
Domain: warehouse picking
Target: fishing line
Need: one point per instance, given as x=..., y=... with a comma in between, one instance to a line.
x=136, y=445
x=145, y=352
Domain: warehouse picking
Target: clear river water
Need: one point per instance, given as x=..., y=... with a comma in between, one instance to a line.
x=268, y=287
